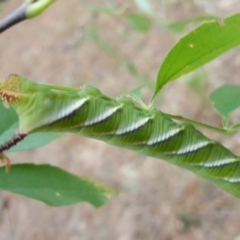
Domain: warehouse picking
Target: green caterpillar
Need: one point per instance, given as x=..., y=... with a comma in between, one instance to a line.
x=119, y=122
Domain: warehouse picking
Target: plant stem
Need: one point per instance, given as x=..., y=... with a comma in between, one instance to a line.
x=12, y=142
x=235, y=127
x=228, y=131
x=29, y=9
x=15, y=17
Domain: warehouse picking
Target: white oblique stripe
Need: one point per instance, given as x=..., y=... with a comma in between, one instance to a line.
x=220, y=162
x=232, y=180
x=133, y=126
x=65, y=111
x=76, y=104
x=102, y=116
x=192, y=147
x=164, y=136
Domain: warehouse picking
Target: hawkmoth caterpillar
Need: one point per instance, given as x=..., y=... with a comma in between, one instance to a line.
x=87, y=112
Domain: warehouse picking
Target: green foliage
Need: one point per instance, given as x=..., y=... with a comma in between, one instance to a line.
x=8, y=118
x=226, y=99
x=57, y=187
x=53, y=186
x=135, y=95
x=198, y=47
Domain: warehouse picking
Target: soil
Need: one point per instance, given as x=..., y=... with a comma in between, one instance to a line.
x=156, y=200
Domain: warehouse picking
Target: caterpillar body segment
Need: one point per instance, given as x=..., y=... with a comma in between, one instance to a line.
x=119, y=122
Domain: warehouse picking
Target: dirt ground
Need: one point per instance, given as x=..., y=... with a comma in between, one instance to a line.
x=156, y=200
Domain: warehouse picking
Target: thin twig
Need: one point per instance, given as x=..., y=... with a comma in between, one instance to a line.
x=29, y=9
x=15, y=17
x=12, y=142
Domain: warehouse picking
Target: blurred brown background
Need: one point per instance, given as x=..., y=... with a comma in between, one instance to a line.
x=156, y=200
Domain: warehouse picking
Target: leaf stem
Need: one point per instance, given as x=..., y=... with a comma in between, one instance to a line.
x=228, y=131
x=236, y=126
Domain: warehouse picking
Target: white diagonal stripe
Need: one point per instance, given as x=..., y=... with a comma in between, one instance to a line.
x=65, y=111
x=192, y=147
x=76, y=104
x=164, y=136
x=232, y=180
x=221, y=162
x=133, y=126
x=102, y=116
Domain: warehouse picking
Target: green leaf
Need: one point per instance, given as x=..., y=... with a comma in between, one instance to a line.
x=35, y=140
x=145, y=7
x=53, y=186
x=226, y=99
x=135, y=94
x=8, y=118
x=139, y=22
x=198, y=47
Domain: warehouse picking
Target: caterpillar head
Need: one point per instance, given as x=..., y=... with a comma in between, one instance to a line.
x=10, y=90
x=37, y=105
x=16, y=90
x=25, y=98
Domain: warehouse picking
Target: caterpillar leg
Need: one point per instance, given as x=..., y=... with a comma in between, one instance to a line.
x=6, y=161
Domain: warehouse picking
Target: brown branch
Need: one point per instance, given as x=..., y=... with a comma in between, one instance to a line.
x=13, y=18
x=12, y=142
x=7, y=145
